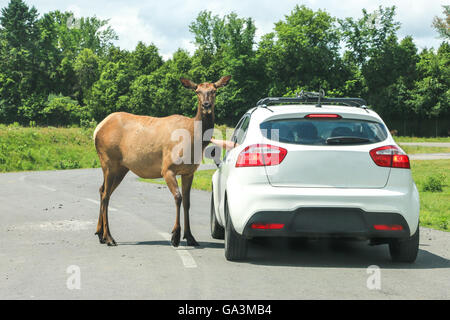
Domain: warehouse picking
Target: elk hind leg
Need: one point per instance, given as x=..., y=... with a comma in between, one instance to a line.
x=112, y=180
x=172, y=184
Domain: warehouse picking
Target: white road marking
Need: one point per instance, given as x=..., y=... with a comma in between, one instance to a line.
x=60, y=225
x=186, y=258
x=47, y=188
x=22, y=178
x=98, y=202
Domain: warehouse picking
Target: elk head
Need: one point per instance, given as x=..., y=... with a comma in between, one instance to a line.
x=206, y=93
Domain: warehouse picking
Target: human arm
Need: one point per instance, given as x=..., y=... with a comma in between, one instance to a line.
x=226, y=144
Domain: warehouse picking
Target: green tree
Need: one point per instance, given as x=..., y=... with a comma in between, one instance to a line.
x=144, y=59
x=430, y=97
x=442, y=25
x=160, y=93
x=390, y=73
x=61, y=110
x=208, y=31
x=303, y=52
x=76, y=34
x=364, y=37
x=110, y=93
x=49, y=56
x=225, y=45
x=86, y=68
x=387, y=67
x=19, y=71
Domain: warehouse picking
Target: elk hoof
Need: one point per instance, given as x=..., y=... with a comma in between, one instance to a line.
x=175, y=238
x=111, y=243
x=100, y=237
x=108, y=240
x=191, y=241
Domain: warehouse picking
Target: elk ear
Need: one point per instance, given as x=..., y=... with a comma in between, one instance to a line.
x=222, y=82
x=188, y=84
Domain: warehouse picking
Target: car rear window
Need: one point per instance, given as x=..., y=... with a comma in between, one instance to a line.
x=324, y=131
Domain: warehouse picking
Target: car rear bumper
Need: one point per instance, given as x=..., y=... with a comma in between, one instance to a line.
x=327, y=222
x=399, y=197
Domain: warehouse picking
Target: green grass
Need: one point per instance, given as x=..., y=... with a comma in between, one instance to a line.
x=422, y=149
x=202, y=180
x=434, y=206
x=419, y=139
x=26, y=149
x=50, y=148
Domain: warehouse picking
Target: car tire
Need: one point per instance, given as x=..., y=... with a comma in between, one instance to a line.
x=405, y=250
x=217, y=231
x=235, y=244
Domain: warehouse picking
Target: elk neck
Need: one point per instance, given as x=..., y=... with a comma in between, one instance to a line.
x=207, y=120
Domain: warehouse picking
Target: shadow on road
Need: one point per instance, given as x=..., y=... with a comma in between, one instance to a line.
x=203, y=244
x=323, y=253
x=334, y=253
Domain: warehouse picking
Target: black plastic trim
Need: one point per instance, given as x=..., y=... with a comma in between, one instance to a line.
x=328, y=222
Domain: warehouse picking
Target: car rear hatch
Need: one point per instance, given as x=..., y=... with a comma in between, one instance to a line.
x=326, y=150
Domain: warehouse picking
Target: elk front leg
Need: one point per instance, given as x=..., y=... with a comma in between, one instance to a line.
x=172, y=184
x=186, y=184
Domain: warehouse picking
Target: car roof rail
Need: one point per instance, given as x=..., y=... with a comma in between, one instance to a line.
x=317, y=98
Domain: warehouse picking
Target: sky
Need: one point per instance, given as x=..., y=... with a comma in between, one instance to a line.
x=166, y=23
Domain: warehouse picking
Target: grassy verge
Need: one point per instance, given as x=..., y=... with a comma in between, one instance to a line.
x=202, y=180
x=50, y=148
x=434, y=206
x=400, y=139
x=25, y=149
x=421, y=149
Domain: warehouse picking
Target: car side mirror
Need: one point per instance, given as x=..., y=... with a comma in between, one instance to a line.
x=213, y=152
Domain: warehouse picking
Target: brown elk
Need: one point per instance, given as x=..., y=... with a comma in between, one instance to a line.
x=143, y=145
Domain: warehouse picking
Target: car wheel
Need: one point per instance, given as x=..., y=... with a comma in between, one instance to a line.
x=217, y=231
x=235, y=244
x=405, y=250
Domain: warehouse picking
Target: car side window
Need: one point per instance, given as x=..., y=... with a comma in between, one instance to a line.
x=239, y=133
x=237, y=129
x=234, y=136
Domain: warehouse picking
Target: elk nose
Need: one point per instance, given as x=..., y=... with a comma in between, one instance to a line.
x=206, y=105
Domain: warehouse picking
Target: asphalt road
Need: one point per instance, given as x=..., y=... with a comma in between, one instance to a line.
x=428, y=156
x=48, y=251
x=427, y=144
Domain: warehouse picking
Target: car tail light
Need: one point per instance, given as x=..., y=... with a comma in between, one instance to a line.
x=390, y=156
x=261, y=155
x=268, y=226
x=323, y=116
x=385, y=227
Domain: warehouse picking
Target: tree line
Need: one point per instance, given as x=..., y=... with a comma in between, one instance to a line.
x=56, y=69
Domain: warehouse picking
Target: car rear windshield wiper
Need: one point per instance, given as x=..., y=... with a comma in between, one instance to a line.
x=347, y=140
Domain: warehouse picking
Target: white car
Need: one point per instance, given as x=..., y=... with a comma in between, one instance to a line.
x=316, y=167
